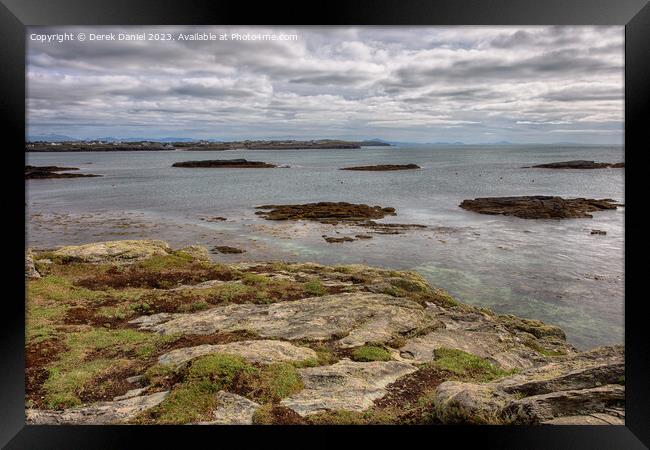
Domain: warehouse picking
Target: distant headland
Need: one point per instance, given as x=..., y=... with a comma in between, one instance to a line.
x=116, y=146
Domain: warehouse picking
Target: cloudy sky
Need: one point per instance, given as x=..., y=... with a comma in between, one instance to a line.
x=413, y=84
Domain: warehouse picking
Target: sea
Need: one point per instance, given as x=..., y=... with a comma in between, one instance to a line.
x=556, y=271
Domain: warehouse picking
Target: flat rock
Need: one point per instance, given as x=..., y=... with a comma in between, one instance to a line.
x=591, y=419
x=40, y=172
x=121, y=252
x=538, y=206
x=260, y=351
x=579, y=164
x=539, y=408
x=500, y=349
x=327, y=212
x=346, y=385
x=383, y=167
x=353, y=318
x=97, y=414
x=232, y=409
x=224, y=163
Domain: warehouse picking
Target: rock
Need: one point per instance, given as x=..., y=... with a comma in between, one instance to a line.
x=383, y=167
x=232, y=409
x=224, y=163
x=539, y=408
x=130, y=394
x=335, y=240
x=578, y=164
x=352, y=318
x=30, y=269
x=197, y=252
x=97, y=414
x=258, y=351
x=228, y=250
x=468, y=403
x=35, y=172
x=599, y=232
x=324, y=211
x=135, y=379
x=580, y=384
x=120, y=252
x=214, y=219
x=500, y=349
x=591, y=419
x=346, y=385
x=539, y=206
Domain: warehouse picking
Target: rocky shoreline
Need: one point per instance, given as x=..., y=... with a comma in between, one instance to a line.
x=135, y=332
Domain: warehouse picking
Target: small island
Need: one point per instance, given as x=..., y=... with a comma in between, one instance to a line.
x=539, y=206
x=42, y=172
x=383, y=167
x=577, y=164
x=225, y=163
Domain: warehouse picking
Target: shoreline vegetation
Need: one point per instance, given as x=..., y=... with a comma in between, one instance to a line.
x=135, y=332
x=117, y=146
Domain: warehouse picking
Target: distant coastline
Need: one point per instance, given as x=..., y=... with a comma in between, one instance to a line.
x=117, y=146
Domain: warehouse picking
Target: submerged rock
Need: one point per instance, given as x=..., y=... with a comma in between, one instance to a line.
x=227, y=249
x=324, y=212
x=346, y=385
x=262, y=351
x=224, y=163
x=124, y=252
x=578, y=164
x=539, y=206
x=383, y=167
x=352, y=318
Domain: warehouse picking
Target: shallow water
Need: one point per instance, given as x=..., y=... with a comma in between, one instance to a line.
x=555, y=271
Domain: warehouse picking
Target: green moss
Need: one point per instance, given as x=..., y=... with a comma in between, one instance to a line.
x=542, y=350
x=315, y=287
x=220, y=369
x=272, y=383
x=158, y=374
x=58, y=288
x=178, y=260
x=253, y=279
x=371, y=353
x=409, y=285
x=189, y=402
x=466, y=366
x=68, y=375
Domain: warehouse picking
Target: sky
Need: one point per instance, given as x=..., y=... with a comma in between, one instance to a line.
x=473, y=84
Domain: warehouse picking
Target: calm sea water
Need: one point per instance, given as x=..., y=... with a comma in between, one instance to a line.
x=554, y=271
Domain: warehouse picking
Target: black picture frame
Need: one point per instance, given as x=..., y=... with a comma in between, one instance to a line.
x=16, y=14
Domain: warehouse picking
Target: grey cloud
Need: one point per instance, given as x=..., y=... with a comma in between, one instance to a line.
x=403, y=83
